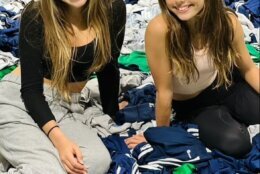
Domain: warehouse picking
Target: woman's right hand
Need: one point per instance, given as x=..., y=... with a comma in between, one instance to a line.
x=133, y=141
x=69, y=153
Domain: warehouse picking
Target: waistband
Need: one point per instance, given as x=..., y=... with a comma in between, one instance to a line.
x=49, y=91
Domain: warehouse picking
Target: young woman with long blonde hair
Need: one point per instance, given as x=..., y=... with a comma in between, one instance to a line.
x=61, y=43
x=202, y=70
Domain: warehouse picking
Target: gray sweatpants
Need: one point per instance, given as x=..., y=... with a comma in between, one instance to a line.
x=28, y=149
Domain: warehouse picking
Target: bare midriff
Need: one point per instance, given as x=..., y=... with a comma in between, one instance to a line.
x=74, y=87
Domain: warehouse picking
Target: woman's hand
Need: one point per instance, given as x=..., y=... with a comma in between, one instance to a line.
x=123, y=104
x=69, y=153
x=135, y=140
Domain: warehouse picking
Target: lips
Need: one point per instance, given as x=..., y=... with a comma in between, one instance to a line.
x=183, y=8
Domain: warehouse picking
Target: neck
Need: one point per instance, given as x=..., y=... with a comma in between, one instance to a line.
x=75, y=17
x=76, y=24
x=195, y=33
x=193, y=24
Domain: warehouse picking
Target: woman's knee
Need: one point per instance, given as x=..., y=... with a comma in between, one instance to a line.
x=236, y=143
x=104, y=162
x=98, y=161
x=32, y=169
x=19, y=140
x=219, y=130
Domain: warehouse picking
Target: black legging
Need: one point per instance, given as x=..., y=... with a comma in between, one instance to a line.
x=223, y=116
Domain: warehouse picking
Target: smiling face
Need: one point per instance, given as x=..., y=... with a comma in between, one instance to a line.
x=75, y=3
x=185, y=9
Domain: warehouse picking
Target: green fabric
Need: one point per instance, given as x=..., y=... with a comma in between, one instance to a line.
x=254, y=53
x=7, y=70
x=185, y=169
x=137, y=59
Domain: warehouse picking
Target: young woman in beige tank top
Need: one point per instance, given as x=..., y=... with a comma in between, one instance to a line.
x=203, y=71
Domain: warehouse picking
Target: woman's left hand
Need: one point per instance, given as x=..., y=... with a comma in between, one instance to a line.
x=135, y=140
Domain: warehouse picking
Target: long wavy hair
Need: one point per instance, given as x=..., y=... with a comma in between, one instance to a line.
x=57, y=44
x=216, y=30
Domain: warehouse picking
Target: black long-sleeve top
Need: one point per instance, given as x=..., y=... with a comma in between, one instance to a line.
x=35, y=67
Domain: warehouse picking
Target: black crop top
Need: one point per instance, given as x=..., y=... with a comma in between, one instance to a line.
x=80, y=63
x=34, y=67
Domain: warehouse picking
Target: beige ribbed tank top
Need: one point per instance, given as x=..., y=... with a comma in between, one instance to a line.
x=207, y=74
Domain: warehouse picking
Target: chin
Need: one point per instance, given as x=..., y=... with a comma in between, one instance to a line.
x=185, y=18
x=78, y=3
